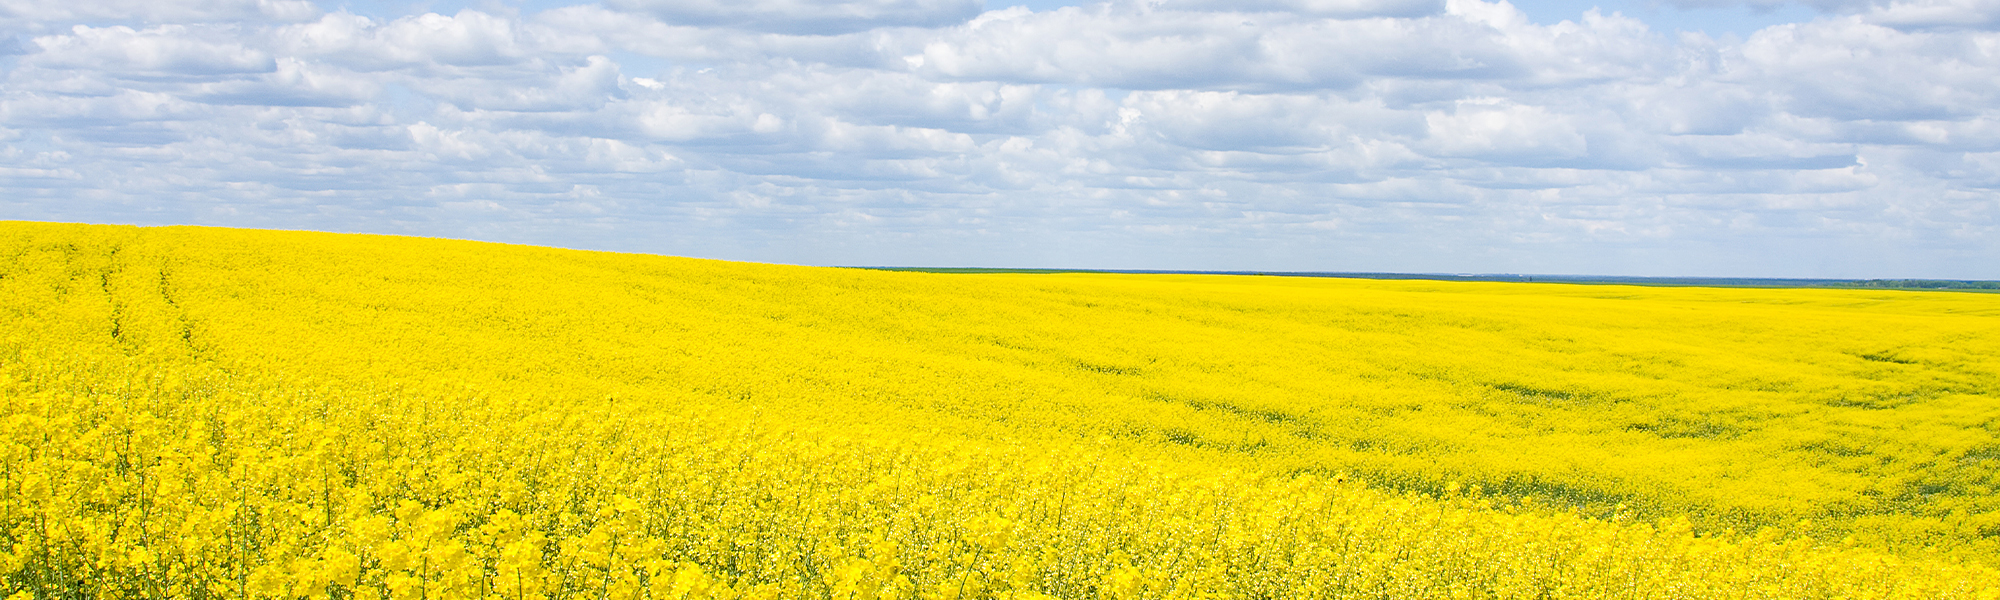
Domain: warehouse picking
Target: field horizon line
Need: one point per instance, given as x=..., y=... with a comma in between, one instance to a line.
x=1972, y=285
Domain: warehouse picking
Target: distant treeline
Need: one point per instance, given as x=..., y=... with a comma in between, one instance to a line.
x=1905, y=284
x=1929, y=284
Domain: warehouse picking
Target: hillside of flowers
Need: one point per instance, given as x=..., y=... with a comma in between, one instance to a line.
x=216, y=413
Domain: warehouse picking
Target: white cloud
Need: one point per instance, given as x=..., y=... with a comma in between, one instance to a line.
x=1850, y=70
x=1145, y=49
x=30, y=12
x=292, y=82
x=806, y=16
x=1339, y=9
x=1936, y=14
x=126, y=108
x=165, y=51
x=1825, y=6
x=569, y=88
x=1502, y=132
x=467, y=39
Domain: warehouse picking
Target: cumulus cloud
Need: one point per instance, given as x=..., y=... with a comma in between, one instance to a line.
x=467, y=39
x=1829, y=6
x=1936, y=14
x=291, y=82
x=166, y=51
x=806, y=16
x=1131, y=47
x=1343, y=9
x=155, y=11
x=1502, y=132
x=1278, y=134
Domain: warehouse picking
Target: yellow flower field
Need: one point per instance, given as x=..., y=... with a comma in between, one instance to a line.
x=214, y=413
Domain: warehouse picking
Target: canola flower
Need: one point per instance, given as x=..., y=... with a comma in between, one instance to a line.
x=190, y=412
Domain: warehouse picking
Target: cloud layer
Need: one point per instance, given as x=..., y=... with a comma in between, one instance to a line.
x=1404, y=135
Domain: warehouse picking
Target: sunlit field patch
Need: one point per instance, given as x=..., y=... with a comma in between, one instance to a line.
x=217, y=413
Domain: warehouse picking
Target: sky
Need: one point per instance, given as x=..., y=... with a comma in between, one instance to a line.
x=1758, y=138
